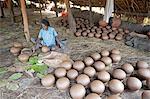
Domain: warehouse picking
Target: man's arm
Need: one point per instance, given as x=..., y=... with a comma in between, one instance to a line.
x=39, y=37
x=58, y=41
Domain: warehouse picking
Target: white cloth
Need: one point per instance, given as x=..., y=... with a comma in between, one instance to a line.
x=109, y=8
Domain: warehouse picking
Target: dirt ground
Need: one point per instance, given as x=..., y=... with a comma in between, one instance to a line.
x=77, y=48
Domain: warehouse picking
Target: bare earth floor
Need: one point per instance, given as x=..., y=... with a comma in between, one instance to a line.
x=77, y=48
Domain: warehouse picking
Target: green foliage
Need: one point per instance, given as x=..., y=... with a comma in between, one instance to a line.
x=3, y=83
x=12, y=86
x=33, y=60
x=15, y=76
x=3, y=70
x=40, y=75
x=42, y=69
x=39, y=69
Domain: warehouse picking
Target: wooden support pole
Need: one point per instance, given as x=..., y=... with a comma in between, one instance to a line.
x=55, y=2
x=40, y=9
x=90, y=12
x=25, y=20
x=1, y=10
x=72, y=24
x=10, y=6
x=148, y=7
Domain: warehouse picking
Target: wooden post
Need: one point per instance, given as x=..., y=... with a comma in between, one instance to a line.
x=90, y=12
x=148, y=7
x=1, y=10
x=55, y=2
x=10, y=6
x=72, y=24
x=40, y=9
x=25, y=20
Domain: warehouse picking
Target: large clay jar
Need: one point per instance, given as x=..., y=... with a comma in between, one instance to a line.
x=116, y=22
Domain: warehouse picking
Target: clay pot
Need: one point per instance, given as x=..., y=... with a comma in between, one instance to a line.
x=88, y=31
x=116, y=22
x=146, y=94
x=83, y=79
x=93, y=96
x=77, y=91
x=62, y=83
x=97, y=87
x=17, y=44
x=148, y=34
x=118, y=37
x=112, y=35
x=126, y=31
x=103, y=76
x=48, y=80
x=105, y=37
x=99, y=32
x=108, y=27
x=96, y=56
x=45, y=49
x=84, y=34
x=78, y=65
x=26, y=51
x=97, y=35
x=102, y=23
x=23, y=57
x=77, y=34
x=134, y=84
x=99, y=66
x=15, y=50
x=119, y=74
x=92, y=30
x=88, y=61
x=114, y=29
x=72, y=74
x=120, y=30
x=90, y=35
x=116, y=86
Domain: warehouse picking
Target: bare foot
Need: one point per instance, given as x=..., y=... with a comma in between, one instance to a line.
x=33, y=49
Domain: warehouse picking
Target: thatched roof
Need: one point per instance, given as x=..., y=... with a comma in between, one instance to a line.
x=121, y=6
x=132, y=6
x=138, y=6
x=94, y=3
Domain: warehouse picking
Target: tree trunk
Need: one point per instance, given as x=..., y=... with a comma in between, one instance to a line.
x=72, y=24
x=1, y=10
x=10, y=6
x=55, y=2
x=25, y=20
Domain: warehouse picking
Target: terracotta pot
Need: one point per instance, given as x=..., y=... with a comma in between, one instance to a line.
x=102, y=23
x=116, y=22
x=97, y=35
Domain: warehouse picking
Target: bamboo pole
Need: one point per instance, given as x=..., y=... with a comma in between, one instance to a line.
x=25, y=20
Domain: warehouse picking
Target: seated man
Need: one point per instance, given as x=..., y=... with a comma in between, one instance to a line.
x=47, y=37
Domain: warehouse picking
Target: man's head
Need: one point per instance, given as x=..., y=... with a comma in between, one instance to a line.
x=45, y=24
